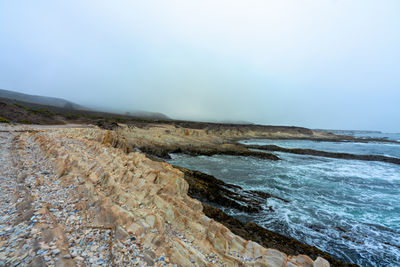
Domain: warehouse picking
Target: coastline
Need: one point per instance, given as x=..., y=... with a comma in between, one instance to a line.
x=205, y=187
x=155, y=140
x=132, y=196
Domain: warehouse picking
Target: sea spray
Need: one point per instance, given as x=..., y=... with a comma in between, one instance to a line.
x=349, y=208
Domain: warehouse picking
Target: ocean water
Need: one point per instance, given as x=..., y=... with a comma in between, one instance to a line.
x=369, y=134
x=348, y=208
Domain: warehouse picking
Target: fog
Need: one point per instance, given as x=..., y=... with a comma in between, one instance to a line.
x=314, y=63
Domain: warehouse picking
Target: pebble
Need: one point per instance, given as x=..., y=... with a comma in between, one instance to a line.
x=79, y=258
x=55, y=251
x=54, y=205
x=86, y=245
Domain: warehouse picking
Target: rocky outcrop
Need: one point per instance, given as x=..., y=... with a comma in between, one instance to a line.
x=230, y=150
x=207, y=188
x=150, y=200
x=266, y=238
x=181, y=140
x=241, y=130
x=233, y=132
x=219, y=132
x=326, y=154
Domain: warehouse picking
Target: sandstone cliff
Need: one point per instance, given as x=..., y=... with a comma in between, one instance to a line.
x=149, y=199
x=95, y=178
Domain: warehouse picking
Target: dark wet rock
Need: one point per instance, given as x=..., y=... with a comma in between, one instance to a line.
x=269, y=239
x=156, y=151
x=393, y=245
x=233, y=150
x=209, y=189
x=212, y=191
x=106, y=124
x=267, y=195
x=320, y=153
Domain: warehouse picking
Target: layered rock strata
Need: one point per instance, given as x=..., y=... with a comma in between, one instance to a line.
x=207, y=188
x=149, y=200
x=217, y=195
x=161, y=140
x=266, y=238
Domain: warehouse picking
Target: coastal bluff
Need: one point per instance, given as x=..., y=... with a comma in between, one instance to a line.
x=140, y=199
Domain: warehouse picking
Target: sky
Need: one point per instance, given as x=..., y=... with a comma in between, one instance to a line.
x=332, y=64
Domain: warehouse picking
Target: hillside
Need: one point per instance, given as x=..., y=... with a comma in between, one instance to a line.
x=42, y=100
x=66, y=107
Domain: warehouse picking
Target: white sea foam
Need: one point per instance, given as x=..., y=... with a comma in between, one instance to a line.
x=346, y=207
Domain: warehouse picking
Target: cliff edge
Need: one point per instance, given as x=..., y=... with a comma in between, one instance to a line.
x=107, y=186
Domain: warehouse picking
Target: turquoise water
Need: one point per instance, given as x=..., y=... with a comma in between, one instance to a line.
x=349, y=208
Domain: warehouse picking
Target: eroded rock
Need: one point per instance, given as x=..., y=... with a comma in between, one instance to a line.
x=143, y=198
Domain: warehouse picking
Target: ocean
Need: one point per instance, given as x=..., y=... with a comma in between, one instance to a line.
x=348, y=208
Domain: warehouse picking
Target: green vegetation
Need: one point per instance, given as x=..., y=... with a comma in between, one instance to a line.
x=92, y=116
x=39, y=111
x=25, y=122
x=145, y=120
x=73, y=116
x=4, y=120
x=21, y=106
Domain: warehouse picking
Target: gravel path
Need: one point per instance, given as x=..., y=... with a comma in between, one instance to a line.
x=40, y=224
x=15, y=244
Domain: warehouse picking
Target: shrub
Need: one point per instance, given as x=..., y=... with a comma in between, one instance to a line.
x=4, y=120
x=21, y=106
x=44, y=112
x=41, y=111
x=73, y=116
x=25, y=121
x=92, y=116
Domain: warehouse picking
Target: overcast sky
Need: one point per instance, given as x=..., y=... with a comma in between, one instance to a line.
x=313, y=63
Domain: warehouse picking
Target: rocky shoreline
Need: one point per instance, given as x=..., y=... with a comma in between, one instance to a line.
x=266, y=238
x=216, y=194
x=208, y=189
x=156, y=141
x=107, y=198
x=320, y=153
x=85, y=200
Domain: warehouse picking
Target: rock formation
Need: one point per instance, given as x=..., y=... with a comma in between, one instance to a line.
x=149, y=199
x=326, y=154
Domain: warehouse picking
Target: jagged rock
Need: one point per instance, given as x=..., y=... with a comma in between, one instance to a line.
x=146, y=198
x=107, y=125
x=320, y=153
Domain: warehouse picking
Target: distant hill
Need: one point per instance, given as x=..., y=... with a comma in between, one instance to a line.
x=48, y=102
x=42, y=100
x=148, y=115
x=17, y=107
